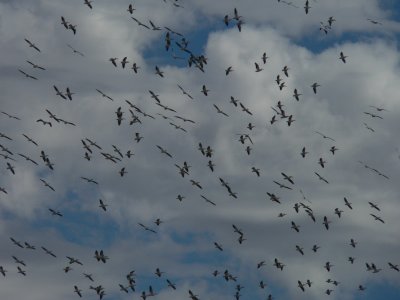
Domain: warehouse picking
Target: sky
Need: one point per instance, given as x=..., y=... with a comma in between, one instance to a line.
x=348, y=129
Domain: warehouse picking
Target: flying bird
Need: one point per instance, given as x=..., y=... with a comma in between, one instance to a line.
x=32, y=45
x=314, y=87
x=342, y=57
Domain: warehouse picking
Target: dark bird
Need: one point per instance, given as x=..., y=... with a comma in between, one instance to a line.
x=375, y=22
x=122, y=172
x=299, y=249
x=55, y=213
x=295, y=227
x=10, y=116
x=325, y=136
x=100, y=256
x=321, y=162
x=300, y=285
x=16, y=243
x=104, y=95
x=333, y=150
x=234, y=101
x=296, y=95
x=138, y=137
x=392, y=266
x=30, y=140
x=102, y=205
x=205, y=90
x=315, y=248
x=338, y=212
x=49, y=252
x=89, y=180
x=59, y=93
x=72, y=27
x=245, y=109
x=347, y=203
x=159, y=72
x=373, y=205
x=78, y=291
x=35, y=66
x=373, y=115
x=184, y=92
x=27, y=75
x=32, y=45
x=154, y=27
x=171, y=285
x=328, y=266
x=258, y=69
x=124, y=61
x=228, y=70
x=114, y=61
x=140, y=23
x=220, y=111
x=264, y=58
x=130, y=9
x=64, y=22
x=303, y=152
x=218, y=246
x=274, y=198
x=285, y=71
x=20, y=271
x=147, y=228
x=314, y=87
x=326, y=222
x=342, y=57
x=88, y=3
x=288, y=178
x=47, y=185
x=307, y=7
x=164, y=151
x=226, y=20
x=211, y=165
x=208, y=200
x=378, y=218
x=75, y=51
x=282, y=186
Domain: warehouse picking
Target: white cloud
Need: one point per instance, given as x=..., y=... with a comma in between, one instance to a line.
x=149, y=189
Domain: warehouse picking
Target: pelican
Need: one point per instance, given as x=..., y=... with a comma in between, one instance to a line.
x=314, y=87
x=113, y=61
x=258, y=69
x=342, y=57
x=296, y=94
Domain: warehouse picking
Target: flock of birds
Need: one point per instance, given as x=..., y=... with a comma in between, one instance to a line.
x=176, y=41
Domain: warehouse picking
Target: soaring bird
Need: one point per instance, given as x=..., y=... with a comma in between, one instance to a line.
x=258, y=69
x=32, y=45
x=124, y=61
x=314, y=87
x=326, y=222
x=220, y=111
x=27, y=75
x=88, y=3
x=303, y=152
x=342, y=57
x=307, y=7
x=113, y=61
x=295, y=227
x=204, y=90
x=296, y=94
x=102, y=205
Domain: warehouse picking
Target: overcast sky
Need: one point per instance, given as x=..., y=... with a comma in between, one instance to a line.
x=348, y=127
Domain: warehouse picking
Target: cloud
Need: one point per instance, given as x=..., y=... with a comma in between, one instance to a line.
x=184, y=243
